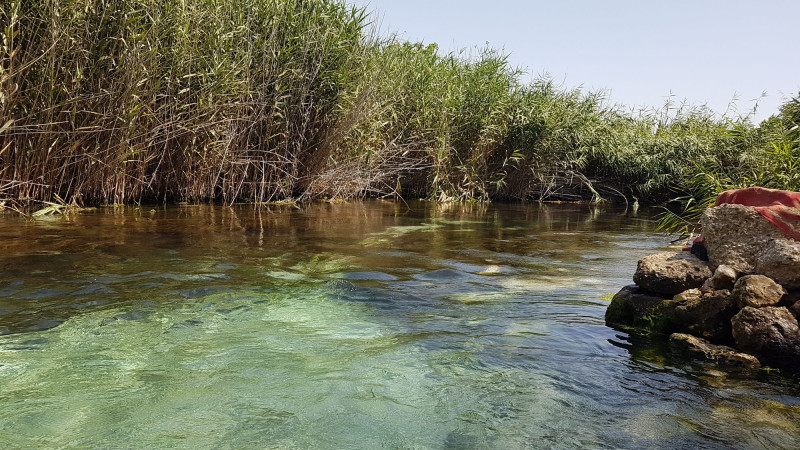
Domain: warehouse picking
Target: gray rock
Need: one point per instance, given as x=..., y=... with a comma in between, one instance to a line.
x=758, y=291
x=631, y=305
x=706, y=315
x=671, y=273
x=781, y=262
x=724, y=277
x=720, y=354
x=738, y=236
x=771, y=333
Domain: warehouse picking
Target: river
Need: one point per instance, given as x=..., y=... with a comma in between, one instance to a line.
x=356, y=325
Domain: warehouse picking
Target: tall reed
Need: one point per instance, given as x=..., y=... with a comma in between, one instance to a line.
x=120, y=100
x=115, y=101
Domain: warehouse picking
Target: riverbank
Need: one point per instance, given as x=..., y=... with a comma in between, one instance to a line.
x=295, y=100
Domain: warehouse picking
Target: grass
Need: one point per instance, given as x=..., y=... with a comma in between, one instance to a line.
x=121, y=101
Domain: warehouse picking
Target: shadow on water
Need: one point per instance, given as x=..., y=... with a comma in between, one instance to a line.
x=359, y=324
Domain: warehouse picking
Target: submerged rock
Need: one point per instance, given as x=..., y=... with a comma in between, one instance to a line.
x=632, y=305
x=758, y=291
x=738, y=236
x=771, y=333
x=720, y=354
x=671, y=273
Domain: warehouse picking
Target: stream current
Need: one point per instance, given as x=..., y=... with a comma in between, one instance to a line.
x=357, y=325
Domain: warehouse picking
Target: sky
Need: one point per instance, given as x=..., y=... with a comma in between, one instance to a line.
x=640, y=52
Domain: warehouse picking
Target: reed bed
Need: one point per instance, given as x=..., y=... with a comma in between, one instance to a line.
x=120, y=101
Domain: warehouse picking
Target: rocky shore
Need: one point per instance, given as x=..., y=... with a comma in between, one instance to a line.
x=739, y=308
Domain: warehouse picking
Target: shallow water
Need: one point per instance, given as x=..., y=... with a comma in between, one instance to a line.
x=361, y=325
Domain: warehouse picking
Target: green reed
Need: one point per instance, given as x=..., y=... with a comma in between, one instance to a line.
x=118, y=101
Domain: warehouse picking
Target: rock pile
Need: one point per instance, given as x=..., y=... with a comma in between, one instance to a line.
x=740, y=308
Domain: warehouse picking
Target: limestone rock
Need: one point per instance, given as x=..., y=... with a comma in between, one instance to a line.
x=721, y=354
x=771, y=333
x=724, y=277
x=781, y=262
x=758, y=291
x=691, y=294
x=738, y=236
x=631, y=304
x=707, y=315
x=671, y=273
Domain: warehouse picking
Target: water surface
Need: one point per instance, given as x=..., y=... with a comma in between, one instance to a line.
x=359, y=325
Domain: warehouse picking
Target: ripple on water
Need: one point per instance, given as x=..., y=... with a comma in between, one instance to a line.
x=366, y=276
x=289, y=276
x=442, y=275
x=93, y=289
x=200, y=291
x=303, y=339
x=42, y=294
x=191, y=276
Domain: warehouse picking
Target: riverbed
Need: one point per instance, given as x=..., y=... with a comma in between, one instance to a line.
x=369, y=324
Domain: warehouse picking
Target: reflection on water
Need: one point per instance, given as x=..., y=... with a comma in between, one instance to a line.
x=361, y=325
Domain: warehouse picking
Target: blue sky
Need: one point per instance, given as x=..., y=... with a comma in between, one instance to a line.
x=702, y=51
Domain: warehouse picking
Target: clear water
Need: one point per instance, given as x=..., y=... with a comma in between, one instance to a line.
x=361, y=325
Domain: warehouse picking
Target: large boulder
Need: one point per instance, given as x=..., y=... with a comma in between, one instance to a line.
x=738, y=236
x=758, y=291
x=707, y=315
x=720, y=354
x=771, y=333
x=669, y=274
x=631, y=306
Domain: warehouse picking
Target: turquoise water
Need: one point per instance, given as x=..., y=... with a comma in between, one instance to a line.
x=360, y=325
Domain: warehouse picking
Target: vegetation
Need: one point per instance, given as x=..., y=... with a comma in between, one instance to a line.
x=116, y=101
x=767, y=156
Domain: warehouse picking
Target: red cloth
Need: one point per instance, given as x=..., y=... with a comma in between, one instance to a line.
x=781, y=208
